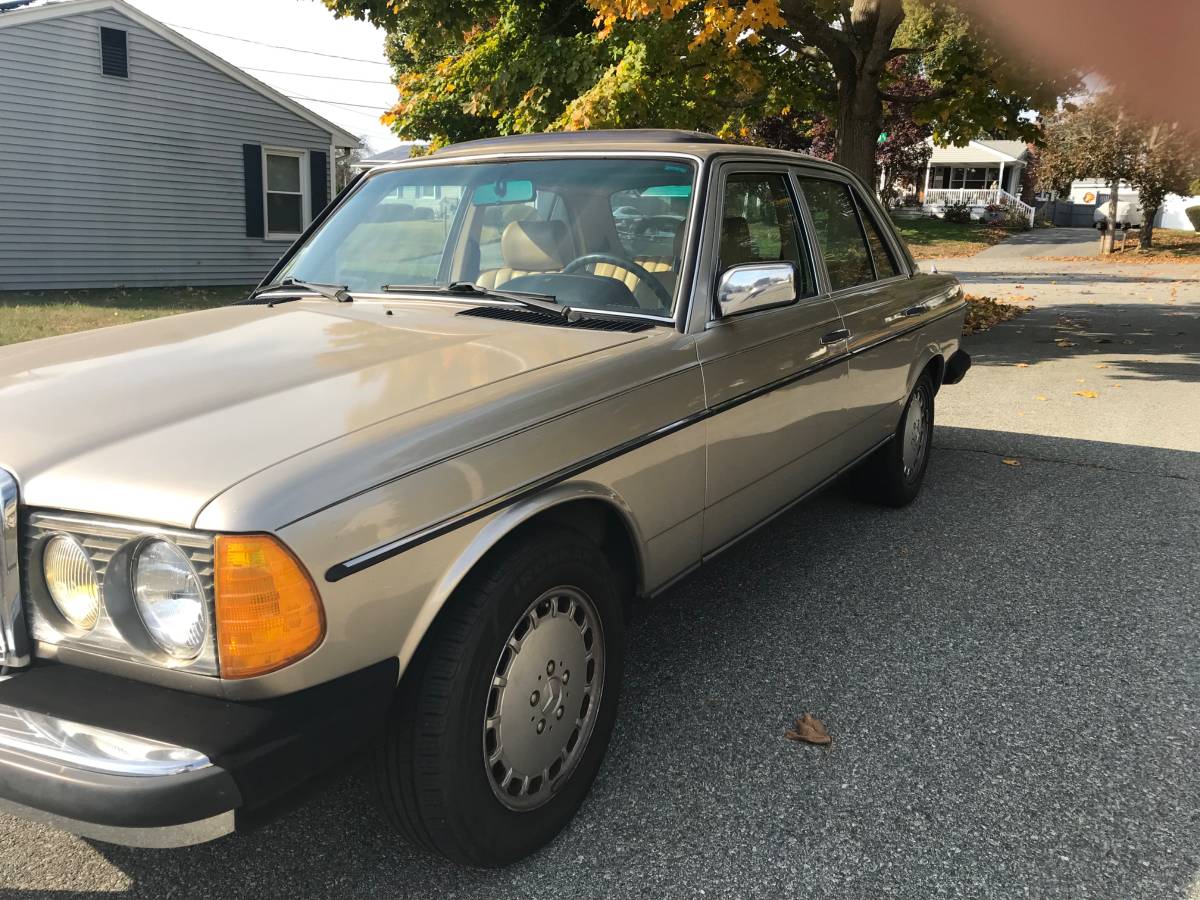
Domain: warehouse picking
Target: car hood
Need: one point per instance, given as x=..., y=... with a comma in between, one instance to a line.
x=151, y=421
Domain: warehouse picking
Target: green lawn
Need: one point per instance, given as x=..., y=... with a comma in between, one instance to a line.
x=26, y=315
x=930, y=238
x=1169, y=245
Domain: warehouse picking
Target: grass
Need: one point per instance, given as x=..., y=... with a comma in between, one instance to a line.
x=932, y=238
x=27, y=315
x=1170, y=245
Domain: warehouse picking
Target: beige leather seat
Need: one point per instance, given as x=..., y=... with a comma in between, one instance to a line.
x=662, y=267
x=529, y=248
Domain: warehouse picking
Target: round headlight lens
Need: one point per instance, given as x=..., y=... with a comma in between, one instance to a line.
x=170, y=599
x=72, y=581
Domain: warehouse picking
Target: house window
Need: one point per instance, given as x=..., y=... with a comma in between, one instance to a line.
x=114, y=52
x=286, y=199
x=966, y=177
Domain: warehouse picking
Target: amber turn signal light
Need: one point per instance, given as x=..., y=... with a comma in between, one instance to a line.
x=268, y=612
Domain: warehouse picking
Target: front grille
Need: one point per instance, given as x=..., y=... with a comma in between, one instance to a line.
x=102, y=540
x=534, y=317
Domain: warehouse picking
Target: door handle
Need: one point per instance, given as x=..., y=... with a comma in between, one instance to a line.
x=834, y=336
x=916, y=310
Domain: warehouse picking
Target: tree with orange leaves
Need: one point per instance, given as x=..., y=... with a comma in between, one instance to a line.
x=476, y=68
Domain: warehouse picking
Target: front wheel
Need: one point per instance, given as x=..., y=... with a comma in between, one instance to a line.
x=894, y=473
x=503, y=718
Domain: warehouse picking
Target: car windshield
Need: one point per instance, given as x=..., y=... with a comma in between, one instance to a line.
x=602, y=234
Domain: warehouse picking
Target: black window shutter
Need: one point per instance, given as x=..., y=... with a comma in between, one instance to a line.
x=318, y=173
x=114, y=52
x=252, y=166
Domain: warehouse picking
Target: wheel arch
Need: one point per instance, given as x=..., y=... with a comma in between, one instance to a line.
x=595, y=510
x=929, y=359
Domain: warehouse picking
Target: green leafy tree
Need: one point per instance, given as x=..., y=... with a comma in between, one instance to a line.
x=1101, y=140
x=1168, y=162
x=475, y=68
x=975, y=89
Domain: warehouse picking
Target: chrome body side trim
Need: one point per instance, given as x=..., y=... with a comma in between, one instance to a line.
x=92, y=749
x=14, y=636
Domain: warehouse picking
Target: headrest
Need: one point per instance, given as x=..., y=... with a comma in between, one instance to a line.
x=735, y=242
x=535, y=246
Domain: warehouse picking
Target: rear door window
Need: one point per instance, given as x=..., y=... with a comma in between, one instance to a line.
x=839, y=232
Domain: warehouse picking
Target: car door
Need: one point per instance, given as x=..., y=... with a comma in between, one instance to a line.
x=878, y=300
x=774, y=382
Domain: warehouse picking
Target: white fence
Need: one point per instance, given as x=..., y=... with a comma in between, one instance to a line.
x=935, y=197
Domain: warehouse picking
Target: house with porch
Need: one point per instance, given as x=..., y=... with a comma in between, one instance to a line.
x=979, y=174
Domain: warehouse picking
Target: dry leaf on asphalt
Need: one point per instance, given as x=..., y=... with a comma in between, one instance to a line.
x=1021, y=365
x=1011, y=462
x=808, y=729
x=985, y=312
x=1091, y=395
x=1102, y=366
x=1064, y=343
x=1039, y=397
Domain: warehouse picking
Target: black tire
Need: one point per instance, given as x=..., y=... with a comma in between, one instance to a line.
x=430, y=765
x=885, y=477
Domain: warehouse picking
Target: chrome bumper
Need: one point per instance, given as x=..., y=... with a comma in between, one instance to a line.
x=108, y=785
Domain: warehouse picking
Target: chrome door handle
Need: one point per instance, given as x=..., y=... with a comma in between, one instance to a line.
x=834, y=336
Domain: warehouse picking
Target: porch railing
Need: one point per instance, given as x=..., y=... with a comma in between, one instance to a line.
x=977, y=197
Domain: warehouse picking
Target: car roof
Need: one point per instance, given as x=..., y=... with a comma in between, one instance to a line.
x=695, y=143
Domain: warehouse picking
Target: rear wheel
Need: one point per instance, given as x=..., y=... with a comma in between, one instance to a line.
x=503, y=718
x=893, y=475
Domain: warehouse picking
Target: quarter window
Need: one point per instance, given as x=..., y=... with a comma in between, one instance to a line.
x=759, y=224
x=285, y=192
x=839, y=233
x=881, y=253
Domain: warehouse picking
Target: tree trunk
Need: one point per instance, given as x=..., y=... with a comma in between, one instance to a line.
x=1108, y=242
x=860, y=117
x=1146, y=236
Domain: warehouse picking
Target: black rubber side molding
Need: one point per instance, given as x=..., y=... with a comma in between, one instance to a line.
x=956, y=368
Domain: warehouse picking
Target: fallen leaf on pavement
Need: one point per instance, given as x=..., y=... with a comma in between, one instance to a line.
x=1079, y=381
x=1039, y=397
x=1102, y=366
x=1063, y=342
x=986, y=312
x=1091, y=395
x=1021, y=365
x=808, y=728
x=1011, y=462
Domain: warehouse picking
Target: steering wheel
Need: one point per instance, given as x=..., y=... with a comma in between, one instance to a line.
x=591, y=259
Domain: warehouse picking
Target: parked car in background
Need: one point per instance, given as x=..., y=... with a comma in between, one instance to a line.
x=401, y=499
x=1129, y=215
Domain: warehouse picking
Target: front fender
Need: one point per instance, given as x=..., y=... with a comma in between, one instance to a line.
x=501, y=526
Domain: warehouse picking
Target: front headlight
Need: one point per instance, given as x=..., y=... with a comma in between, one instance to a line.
x=72, y=581
x=170, y=598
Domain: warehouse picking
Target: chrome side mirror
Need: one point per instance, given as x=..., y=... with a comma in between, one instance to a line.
x=753, y=286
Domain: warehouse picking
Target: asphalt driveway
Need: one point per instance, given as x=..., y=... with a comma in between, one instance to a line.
x=1009, y=669
x=1045, y=242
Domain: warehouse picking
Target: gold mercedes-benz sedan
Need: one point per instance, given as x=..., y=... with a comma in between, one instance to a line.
x=401, y=498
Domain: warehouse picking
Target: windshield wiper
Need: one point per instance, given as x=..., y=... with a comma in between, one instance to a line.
x=541, y=302
x=339, y=293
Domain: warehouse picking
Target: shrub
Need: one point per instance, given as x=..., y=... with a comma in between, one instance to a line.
x=1193, y=214
x=1014, y=218
x=958, y=213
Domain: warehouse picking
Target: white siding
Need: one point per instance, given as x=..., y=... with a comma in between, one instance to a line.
x=110, y=181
